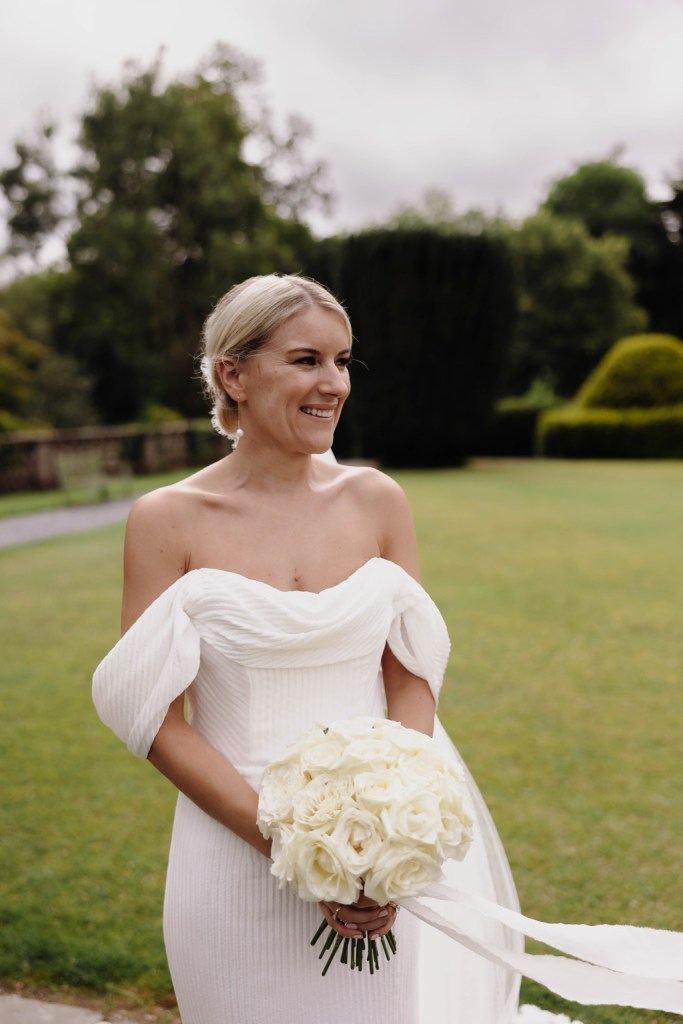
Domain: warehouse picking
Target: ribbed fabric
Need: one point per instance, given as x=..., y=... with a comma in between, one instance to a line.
x=260, y=666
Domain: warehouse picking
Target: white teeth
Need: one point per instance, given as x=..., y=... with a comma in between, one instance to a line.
x=324, y=414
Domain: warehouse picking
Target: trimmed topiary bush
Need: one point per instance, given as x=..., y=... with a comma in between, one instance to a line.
x=643, y=371
x=574, y=432
x=630, y=407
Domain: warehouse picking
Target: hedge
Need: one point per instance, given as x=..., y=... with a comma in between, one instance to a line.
x=432, y=315
x=512, y=428
x=576, y=432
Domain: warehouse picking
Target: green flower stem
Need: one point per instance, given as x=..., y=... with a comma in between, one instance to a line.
x=328, y=942
x=354, y=955
x=319, y=932
x=332, y=954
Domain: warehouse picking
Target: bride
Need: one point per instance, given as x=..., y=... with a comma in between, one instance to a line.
x=269, y=591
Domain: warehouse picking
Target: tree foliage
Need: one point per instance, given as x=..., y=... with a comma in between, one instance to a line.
x=169, y=213
x=31, y=189
x=20, y=358
x=576, y=298
x=608, y=198
x=436, y=212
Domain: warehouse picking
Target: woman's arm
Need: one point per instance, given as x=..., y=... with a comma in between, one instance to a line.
x=409, y=698
x=156, y=555
x=207, y=777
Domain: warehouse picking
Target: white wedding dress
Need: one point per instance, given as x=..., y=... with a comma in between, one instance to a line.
x=259, y=666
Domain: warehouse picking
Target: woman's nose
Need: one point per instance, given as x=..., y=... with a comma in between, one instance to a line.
x=334, y=380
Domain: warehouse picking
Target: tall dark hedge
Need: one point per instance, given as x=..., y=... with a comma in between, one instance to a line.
x=432, y=317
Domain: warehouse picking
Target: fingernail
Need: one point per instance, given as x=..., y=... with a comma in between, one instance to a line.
x=383, y=913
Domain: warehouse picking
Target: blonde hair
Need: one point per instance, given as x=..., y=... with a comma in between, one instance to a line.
x=242, y=322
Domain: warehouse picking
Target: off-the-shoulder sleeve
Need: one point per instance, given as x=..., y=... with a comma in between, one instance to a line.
x=418, y=635
x=151, y=665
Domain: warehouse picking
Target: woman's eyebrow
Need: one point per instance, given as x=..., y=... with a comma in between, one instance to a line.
x=316, y=351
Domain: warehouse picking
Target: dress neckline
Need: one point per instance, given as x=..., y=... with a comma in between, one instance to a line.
x=308, y=593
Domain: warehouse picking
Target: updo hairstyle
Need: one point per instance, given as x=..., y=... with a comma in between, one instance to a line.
x=242, y=322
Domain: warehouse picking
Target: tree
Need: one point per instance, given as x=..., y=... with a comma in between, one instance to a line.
x=169, y=213
x=20, y=358
x=31, y=189
x=575, y=299
x=608, y=198
x=436, y=212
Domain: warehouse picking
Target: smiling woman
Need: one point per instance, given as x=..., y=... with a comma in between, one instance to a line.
x=259, y=311
x=269, y=591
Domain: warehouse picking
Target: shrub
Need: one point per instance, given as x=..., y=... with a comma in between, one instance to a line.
x=576, y=432
x=513, y=425
x=643, y=371
x=630, y=407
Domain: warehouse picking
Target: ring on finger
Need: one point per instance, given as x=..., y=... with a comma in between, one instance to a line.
x=335, y=912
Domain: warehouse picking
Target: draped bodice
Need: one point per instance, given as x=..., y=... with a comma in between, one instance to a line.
x=259, y=665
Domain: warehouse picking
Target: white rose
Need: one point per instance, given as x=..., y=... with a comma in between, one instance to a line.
x=420, y=771
x=350, y=729
x=280, y=785
x=312, y=864
x=375, y=790
x=357, y=836
x=410, y=741
x=322, y=756
x=457, y=822
x=414, y=818
x=368, y=752
x=293, y=751
x=400, y=872
x=319, y=803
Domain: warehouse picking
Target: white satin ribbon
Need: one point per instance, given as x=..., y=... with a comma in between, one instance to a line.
x=626, y=966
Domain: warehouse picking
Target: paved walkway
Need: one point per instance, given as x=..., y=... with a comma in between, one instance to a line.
x=16, y=1010
x=16, y=530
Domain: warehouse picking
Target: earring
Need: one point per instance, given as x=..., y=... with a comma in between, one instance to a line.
x=238, y=434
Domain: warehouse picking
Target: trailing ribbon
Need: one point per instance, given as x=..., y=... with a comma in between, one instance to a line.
x=618, y=964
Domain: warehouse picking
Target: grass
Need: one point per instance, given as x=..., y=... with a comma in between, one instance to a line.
x=562, y=591
x=25, y=502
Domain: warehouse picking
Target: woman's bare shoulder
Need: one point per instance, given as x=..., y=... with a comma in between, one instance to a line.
x=169, y=506
x=373, y=485
x=158, y=544
x=385, y=505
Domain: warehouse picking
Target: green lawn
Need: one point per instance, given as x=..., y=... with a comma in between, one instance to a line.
x=115, y=487
x=561, y=584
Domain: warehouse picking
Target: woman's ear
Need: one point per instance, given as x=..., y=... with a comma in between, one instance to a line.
x=230, y=376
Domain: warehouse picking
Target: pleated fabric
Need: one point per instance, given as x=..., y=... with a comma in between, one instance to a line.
x=259, y=666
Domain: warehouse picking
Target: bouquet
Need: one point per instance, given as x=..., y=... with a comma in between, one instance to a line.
x=365, y=805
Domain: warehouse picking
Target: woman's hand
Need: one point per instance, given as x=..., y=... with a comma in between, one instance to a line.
x=362, y=916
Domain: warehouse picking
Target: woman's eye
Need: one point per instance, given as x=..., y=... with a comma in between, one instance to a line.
x=344, y=362
x=307, y=360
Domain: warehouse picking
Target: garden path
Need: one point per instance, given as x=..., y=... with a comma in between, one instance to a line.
x=16, y=530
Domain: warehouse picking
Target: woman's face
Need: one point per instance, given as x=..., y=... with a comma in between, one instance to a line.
x=292, y=390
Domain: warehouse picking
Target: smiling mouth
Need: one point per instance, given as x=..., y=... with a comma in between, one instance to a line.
x=321, y=414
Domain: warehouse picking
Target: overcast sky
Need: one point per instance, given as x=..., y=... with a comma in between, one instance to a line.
x=488, y=99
